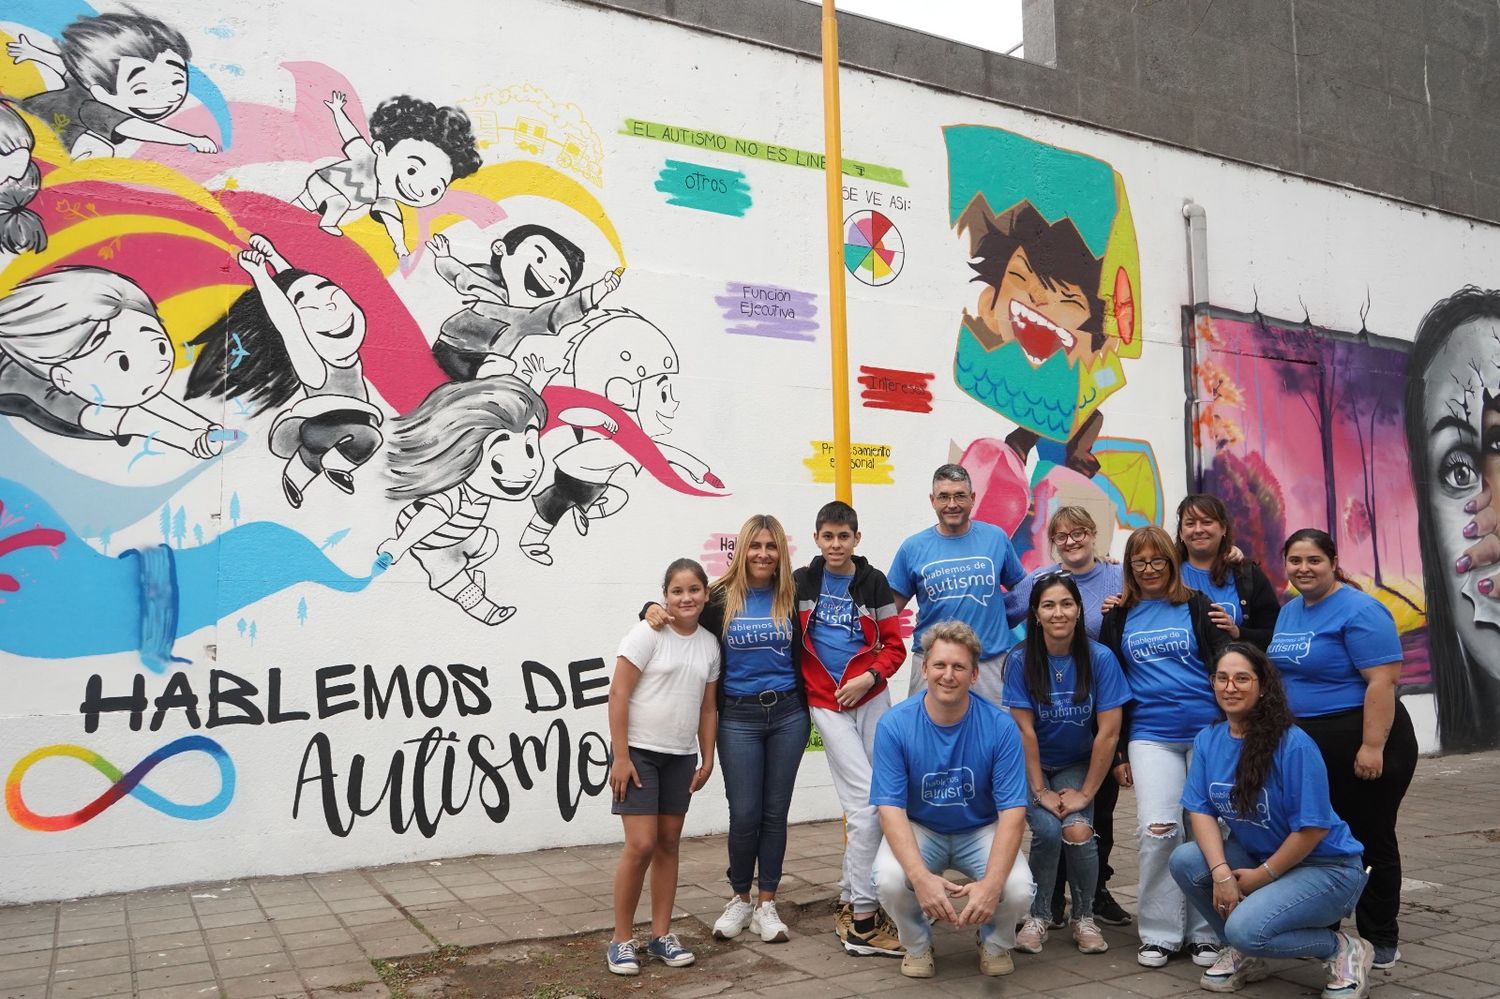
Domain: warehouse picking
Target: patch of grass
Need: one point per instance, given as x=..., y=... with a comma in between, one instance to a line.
x=555, y=990
x=396, y=975
x=351, y=986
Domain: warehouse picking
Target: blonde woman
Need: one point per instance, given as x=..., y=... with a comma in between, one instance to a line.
x=763, y=717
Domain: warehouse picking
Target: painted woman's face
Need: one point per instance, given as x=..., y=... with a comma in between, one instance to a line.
x=1463, y=468
x=510, y=465
x=333, y=323
x=1043, y=318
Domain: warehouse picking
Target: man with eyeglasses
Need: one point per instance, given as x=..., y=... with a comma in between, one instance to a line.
x=958, y=570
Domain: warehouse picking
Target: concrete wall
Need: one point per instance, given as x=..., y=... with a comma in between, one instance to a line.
x=1395, y=96
x=204, y=678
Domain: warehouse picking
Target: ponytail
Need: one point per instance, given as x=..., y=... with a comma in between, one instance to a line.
x=21, y=228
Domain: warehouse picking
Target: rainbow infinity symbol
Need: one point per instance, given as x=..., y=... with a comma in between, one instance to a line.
x=124, y=783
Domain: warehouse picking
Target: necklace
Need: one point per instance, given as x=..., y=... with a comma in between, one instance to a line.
x=1058, y=673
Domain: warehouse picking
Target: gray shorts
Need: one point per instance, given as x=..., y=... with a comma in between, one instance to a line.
x=666, y=784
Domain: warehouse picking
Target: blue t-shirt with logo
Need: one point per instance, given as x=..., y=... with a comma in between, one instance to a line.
x=1173, y=697
x=1064, y=730
x=834, y=627
x=949, y=778
x=1105, y=579
x=960, y=579
x=1321, y=649
x=757, y=653
x=1294, y=796
x=1226, y=597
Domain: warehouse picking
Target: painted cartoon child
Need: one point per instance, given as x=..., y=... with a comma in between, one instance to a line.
x=467, y=444
x=415, y=150
x=526, y=289
x=83, y=354
x=631, y=363
x=121, y=75
x=20, y=180
x=294, y=334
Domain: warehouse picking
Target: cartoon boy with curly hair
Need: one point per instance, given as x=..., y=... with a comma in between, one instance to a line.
x=415, y=150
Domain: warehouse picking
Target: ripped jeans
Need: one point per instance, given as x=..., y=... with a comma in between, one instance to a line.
x=1047, y=844
x=1160, y=771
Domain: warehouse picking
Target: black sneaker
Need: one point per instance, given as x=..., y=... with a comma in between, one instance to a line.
x=1107, y=910
x=1151, y=955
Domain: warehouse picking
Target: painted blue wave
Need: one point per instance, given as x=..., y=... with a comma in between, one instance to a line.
x=76, y=602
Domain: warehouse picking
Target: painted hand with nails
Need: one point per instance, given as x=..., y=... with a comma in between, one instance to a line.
x=1484, y=552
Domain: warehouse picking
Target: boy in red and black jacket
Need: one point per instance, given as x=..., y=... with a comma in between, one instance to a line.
x=851, y=647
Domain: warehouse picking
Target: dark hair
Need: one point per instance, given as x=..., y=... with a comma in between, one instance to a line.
x=1324, y=544
x=1465, y=699
x=1036, y=643
x=1177, y=591
x=683, y=565
x=571, y=254
x=21, y=228
x=261, y=370
x=952, y=472
x=1265, y=726
x=92, y=47
x=1210, y=507
x=448, y=128
x=1057, y=253
x=837, y=512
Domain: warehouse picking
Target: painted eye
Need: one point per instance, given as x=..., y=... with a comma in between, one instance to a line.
x=161, y=347
x=411, y=171
x=436, y=191
x=530, y=450
x=1457, y=472
x=124, y=363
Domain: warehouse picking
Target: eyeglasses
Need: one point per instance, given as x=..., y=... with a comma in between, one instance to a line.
x=946, y=498
x=1240, y=681
x=1142, y=564
x=1081, y=534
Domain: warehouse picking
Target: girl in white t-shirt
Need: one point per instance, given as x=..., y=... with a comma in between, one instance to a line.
x=662, y=713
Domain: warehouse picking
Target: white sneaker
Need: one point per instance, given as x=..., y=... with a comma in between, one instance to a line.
x=737, y=915
x=768, y=924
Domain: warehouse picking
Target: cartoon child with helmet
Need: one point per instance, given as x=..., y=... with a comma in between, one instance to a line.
x=623, y=358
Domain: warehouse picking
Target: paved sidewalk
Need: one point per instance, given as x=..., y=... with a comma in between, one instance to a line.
x=299, y=936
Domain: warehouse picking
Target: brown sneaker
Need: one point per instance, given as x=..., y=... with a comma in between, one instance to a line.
x=876, y=943
x=991, y=963
x=1086, y=934
x=1031, y=936
x=918, y=965
x=843, y=920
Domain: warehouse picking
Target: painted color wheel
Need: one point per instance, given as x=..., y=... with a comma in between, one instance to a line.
x=873, y=248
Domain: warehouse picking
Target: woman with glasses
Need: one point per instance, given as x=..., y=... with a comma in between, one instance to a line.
x=1065, y=693
x=1163, y=636
x=1244, y=603
x=1290, y=868
x=1073, y=534
x=1340, y=653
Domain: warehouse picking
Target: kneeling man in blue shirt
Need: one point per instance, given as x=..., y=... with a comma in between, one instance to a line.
x=950, y=782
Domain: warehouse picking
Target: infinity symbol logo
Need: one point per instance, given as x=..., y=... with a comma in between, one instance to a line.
x=124, y=783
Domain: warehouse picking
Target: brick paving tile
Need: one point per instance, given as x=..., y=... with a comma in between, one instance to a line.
x=237, y=917
x=167, y=942
x=322, y=957
x=228, y=949
x=247, y=931
x=317, y=938
x=285, y=983
x=168, y=958
x=358, y=903
x=192, y=990
x=339, y=974
x=177, y=974
x=252, y=964
x=23, y=977
x=73, y=970
x=92, y=988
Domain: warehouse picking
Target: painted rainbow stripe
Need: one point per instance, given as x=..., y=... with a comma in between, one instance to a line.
x=124, y=783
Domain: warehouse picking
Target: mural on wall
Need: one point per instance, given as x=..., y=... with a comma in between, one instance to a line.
x=1052, y=250
x=20, y=179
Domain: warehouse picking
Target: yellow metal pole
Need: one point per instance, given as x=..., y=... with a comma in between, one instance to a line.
x=833, y=175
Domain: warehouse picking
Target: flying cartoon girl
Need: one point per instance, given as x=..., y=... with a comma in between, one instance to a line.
x=467, y=444
x=294, y=333
x=83, y=354
x=415, y=150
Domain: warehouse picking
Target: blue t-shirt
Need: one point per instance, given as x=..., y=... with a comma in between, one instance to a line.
x=1321, y=649
x=1103, y=580
x=1226, y=597
x=1173, y=697
x=1064, y=730
x=1294, y=796
x=834, y=627
x=959, y=579
x=949, y=778
x=757, y=653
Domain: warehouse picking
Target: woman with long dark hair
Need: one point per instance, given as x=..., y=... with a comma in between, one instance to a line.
x=1244, y=603
x=1291, y=867
x=1065, y=692
x=1163, y=636
x=1448, y=406
x=1338, y=650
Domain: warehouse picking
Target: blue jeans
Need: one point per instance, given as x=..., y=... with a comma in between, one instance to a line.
x=1047, y=843
x=760, y=750
x=969, y=854
x=1288, y=917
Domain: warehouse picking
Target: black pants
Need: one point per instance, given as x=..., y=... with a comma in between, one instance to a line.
x=1370, y=807
x=1104, y=828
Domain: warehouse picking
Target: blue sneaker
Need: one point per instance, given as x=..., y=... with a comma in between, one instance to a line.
x=669, y=951
x=622, y=959
x=1386, y=957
